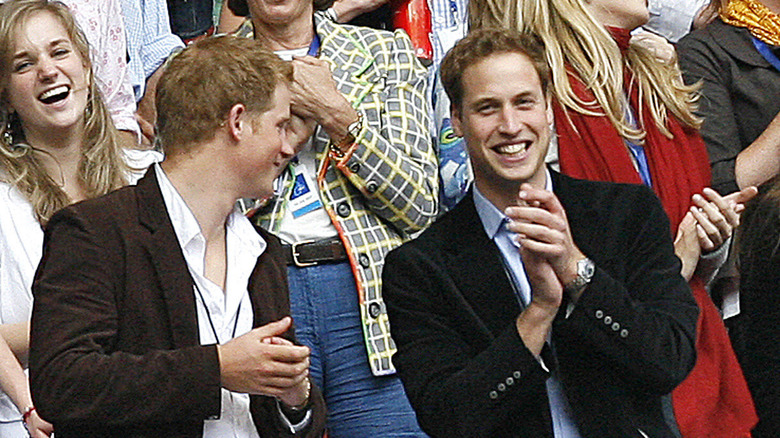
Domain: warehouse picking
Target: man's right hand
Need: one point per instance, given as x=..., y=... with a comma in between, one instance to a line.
x=261, y=362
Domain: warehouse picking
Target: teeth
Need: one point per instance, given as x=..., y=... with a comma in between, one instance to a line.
x=54, y=92
x=511, y=148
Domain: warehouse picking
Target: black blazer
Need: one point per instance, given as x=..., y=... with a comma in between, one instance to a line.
x=629, y=340
x=114, y=348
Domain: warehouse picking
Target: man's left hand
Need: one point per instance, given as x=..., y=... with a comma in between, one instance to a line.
x=543, y=230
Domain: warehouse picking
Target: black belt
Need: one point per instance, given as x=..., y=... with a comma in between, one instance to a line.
x=308, y=253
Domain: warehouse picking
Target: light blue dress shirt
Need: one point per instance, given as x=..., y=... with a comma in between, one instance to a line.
x=149, y=39
x=494, y=223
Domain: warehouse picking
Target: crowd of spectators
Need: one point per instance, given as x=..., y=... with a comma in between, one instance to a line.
x=682, y=98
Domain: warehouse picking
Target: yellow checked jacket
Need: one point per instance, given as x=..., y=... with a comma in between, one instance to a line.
x=386, y=189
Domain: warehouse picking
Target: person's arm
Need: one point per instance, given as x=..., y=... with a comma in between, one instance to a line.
x=545, y=233
x=14, y=382
x=733, y=167
x=637, y=311
x=392, y=161
x=228, y=21
x=346, y=10
x=109, y=53
x=17, y=338
x=760, y=161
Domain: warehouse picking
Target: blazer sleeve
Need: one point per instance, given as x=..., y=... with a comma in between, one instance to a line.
x=394, y=164
x=450, y=363
x=702, y=62
x=78, y=376
x=638, y=314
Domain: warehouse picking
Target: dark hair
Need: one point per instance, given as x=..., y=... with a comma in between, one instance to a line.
x=203, y=82
x=483, y=43
x=241, y=7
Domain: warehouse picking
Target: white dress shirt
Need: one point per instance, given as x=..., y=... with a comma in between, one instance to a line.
x=226, y=314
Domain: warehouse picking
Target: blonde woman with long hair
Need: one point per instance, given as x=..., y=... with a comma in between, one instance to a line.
x=57, y=146
x=623, y=115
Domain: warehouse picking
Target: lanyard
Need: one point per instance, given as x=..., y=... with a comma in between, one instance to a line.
x=314, y=47
x=208, y=315
x=766, y=52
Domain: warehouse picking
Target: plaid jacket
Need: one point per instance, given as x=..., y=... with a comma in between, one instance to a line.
x=386, y=189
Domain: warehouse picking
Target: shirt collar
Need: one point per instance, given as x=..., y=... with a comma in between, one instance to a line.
x=239, y=231
x=492, y=218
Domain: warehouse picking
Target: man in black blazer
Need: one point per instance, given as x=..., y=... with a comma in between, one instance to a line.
x=159, y=310
x=541, y=306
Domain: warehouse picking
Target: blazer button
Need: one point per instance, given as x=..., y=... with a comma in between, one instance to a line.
x=371, y=186
x=343, y=209
x=599, y=314
x=354, y=167
x=607, y=320
x=624, y=333
x=493, y=395
x=510, y=381
x=517, y=374
x=615, y=327
x=374, y=309
x=364, y=261
x=501, y=387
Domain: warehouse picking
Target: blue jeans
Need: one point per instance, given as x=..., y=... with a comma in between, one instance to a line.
x=324, y=305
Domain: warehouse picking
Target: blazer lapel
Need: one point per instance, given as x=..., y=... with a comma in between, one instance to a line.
x=169, y=263
x=584, y=217
x=476, y=266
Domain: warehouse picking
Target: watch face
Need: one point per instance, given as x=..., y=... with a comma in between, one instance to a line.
x=586, y=268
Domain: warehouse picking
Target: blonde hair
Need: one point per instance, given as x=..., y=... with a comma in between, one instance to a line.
x=102, y=167
x=574, y=39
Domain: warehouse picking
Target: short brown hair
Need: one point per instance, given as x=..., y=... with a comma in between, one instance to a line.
x=202, y=83
x=483, y=43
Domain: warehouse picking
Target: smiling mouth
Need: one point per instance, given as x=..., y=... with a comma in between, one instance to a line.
x=54, y=95
x=511, y=149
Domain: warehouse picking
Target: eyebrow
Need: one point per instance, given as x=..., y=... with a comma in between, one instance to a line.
x=52, y=44
x=490, y=99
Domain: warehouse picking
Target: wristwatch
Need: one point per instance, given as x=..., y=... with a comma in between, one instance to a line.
x=338, y=149
x=585, y=270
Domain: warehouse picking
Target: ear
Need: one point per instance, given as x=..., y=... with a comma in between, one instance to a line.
x=455, y=120
x=236, y=122
x=549, y=111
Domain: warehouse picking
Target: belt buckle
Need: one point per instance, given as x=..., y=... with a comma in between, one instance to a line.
x=295, y=254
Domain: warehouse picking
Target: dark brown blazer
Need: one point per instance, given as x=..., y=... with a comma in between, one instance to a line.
x=114, y=339
x=628, y=341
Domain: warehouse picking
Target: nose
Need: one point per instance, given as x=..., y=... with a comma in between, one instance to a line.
x=287, y=150
x=46, y=68
x=510, y=123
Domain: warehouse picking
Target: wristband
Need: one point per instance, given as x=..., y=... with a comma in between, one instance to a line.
x=27, y=413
